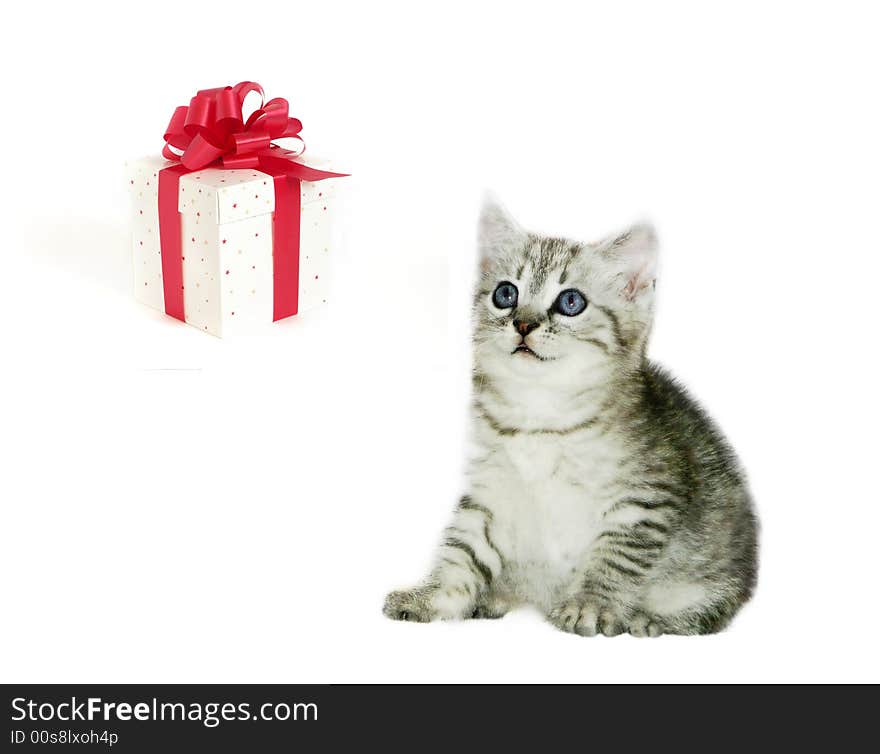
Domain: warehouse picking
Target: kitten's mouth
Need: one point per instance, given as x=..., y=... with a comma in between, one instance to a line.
x=526, y=351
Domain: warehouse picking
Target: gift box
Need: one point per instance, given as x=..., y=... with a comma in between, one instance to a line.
x=231, y=231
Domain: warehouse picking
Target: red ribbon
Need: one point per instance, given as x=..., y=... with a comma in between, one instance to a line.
x=211, y=132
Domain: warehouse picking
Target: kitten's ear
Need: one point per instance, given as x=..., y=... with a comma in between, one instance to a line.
x=497, y=232
x=631, y=257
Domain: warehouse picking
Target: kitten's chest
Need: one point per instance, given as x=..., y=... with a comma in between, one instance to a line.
x=548, y=494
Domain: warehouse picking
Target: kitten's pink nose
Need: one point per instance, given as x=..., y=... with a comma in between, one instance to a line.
x=524, y=328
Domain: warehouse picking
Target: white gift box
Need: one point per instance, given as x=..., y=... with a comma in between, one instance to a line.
x=227, y=244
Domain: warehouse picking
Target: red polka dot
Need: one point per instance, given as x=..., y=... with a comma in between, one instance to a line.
x=234, y=206
x=224, y=240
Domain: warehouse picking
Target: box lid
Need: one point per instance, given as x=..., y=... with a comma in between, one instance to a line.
x=225, y=195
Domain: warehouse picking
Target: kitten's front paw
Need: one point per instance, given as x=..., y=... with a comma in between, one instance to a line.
x=409, y=604
x=586, y=616
x=642, y=624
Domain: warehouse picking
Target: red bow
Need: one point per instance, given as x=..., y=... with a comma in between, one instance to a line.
x=212, y=129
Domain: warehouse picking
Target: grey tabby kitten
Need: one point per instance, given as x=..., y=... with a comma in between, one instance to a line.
x=599, y=490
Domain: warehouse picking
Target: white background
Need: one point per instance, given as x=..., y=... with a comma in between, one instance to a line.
x=181, y=508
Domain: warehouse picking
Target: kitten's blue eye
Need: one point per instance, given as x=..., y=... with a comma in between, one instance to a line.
x=571, y=302
x=505, y=295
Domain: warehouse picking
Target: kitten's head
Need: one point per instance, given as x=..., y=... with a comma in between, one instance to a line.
x=547, y=309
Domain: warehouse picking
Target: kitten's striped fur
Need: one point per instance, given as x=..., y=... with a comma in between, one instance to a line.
x=599, y=491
